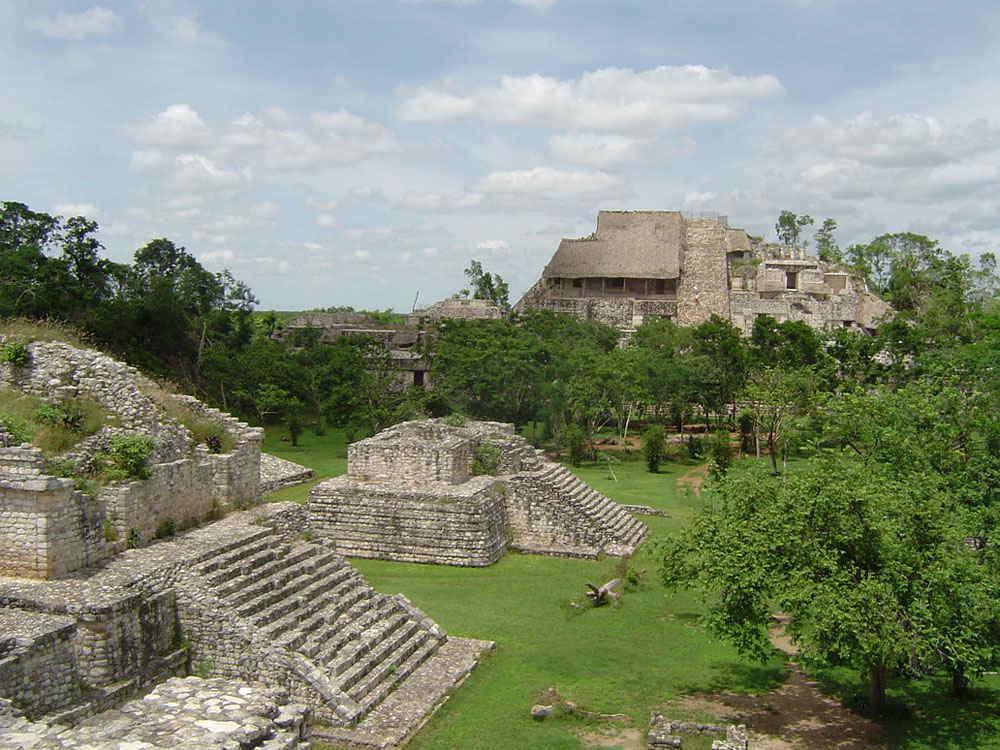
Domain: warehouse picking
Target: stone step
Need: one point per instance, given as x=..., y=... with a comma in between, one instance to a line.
x=257, y=542
x=293, y=628
x=293, y=595
x=324, y=645
x=390, y=639
x=367, y=647
x=258, y=582
x=243, y=578
x=380, y=681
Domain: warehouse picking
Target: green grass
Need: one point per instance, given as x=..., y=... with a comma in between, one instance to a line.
x=324, y=454
x=52, y=435
x=615, y=659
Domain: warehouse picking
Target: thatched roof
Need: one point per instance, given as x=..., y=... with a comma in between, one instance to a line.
x=628, y=244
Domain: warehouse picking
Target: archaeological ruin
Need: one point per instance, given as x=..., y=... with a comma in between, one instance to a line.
x=461, y=495
x=94, y=608
x=647, y=265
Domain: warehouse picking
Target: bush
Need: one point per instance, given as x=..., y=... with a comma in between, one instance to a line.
x=295, y=427
x=653, y=447
x=15, y=354
x=485, y=460
x=720, y=454
x=695, y=446
x=455, y=420
x=576, y=444
x=127, y=456
x=18, y=430
x=166, y=529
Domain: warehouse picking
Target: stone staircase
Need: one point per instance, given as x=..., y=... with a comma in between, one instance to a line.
x=596, y=521
x=301, y=604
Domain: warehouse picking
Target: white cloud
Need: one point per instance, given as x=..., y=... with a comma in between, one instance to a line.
x=608, y=100
x=899, y=140
x=318, y=205
x=146, y=159
x=88, y=210
x=198, y=174
x=550, y=184
x=368, y=193
x=187, y=32
x=326, y=221
x=537, y=189
x=96, y=21
x=607, y=150
x=288, y=141
x=178, y=126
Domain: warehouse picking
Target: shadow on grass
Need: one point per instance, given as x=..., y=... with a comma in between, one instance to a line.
x=923, y=714
x=740, y=677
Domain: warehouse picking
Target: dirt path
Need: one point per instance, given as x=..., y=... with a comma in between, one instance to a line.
x=795, y=716
x=694, y=478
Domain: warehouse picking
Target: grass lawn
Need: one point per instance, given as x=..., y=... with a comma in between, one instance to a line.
x=646, y=651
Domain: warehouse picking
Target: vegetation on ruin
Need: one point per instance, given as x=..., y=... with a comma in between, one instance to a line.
x=53, y=427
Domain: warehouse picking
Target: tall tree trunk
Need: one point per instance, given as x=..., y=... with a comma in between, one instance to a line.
x=876, y=690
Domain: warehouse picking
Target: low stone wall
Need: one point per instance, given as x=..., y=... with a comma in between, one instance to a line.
x=276, y=473
x=442, y=524
x=46, y=527
x=37, y=661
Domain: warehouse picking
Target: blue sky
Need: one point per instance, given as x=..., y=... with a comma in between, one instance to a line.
x=362, y=152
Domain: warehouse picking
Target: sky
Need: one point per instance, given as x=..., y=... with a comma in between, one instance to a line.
x=363, y=152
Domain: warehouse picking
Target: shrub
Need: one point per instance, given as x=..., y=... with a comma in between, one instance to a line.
x=18, y=430
x=653, y=447
x=110, y=533
x=695, y=446
x=576, y=444
x=166, y=528
x=295, y=426
x=720, y=454
x=455, y=420
x=485, y=459
x=128, y=454
x=16, y=354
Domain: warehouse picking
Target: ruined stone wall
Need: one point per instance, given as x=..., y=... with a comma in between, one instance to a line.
x=445, y=525
x=56, y=370
x=46, y=527
x=703, y=288
x=38, y=661
x=411, y=453
x=49, y=529
x=623, y=313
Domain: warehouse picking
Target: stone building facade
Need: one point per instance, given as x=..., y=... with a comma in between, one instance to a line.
x=646, y=265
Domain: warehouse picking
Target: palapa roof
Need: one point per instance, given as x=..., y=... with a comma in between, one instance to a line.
x=627, y=244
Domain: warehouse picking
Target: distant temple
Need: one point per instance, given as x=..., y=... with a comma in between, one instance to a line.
x=647, y=265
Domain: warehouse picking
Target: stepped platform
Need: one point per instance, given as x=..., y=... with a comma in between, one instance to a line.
x=431, y=492
x=255, y=602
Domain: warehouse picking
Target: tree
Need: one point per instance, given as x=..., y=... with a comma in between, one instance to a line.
x=777, y=397
x=826, y=246
x=487, y=286
x=789, y=228
x=653, y=447
x=852, y=554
